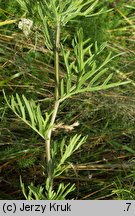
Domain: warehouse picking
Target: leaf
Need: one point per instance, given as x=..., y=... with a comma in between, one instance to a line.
x=83, y=72
x=90, y=8
x=30, y=113
x=45, y=27
x=14, y=104
x=39, y=119
x=21, y=106
x=107, y=79
x=28, y=106
x=97, y=76
x=23, y=188
x=67, y=150
x=111, y=85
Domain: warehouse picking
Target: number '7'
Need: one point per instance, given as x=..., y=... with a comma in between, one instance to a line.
x=128, y=206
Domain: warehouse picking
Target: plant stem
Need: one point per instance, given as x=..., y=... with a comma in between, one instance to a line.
x=57, y=49
x=48, y=143
x=56, y=106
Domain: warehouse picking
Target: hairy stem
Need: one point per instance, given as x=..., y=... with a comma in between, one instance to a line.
x=56, y=106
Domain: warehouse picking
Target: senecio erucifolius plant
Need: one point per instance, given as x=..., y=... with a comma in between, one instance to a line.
x=82, y=74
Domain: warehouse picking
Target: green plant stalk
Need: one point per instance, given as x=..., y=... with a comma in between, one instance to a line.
x=56, y=106
x=48, y=144
x=56, y=52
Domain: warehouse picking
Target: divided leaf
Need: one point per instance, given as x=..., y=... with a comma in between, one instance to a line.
x=30, y=113
x=84, y=73
x=67, y=150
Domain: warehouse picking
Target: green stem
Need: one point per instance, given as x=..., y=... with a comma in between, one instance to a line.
x=57, y=49
x=56, y=106
x=48, y=143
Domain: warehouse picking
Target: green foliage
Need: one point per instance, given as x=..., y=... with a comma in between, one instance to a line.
x=65, y=151
x=26, y=163
x=34, y=119
x=58, y=11
x=9, y=8
x=85, y=70
x=106, y=116
x=123, y=192
x=54, y=13
x=47, y=192
x=17, y=151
